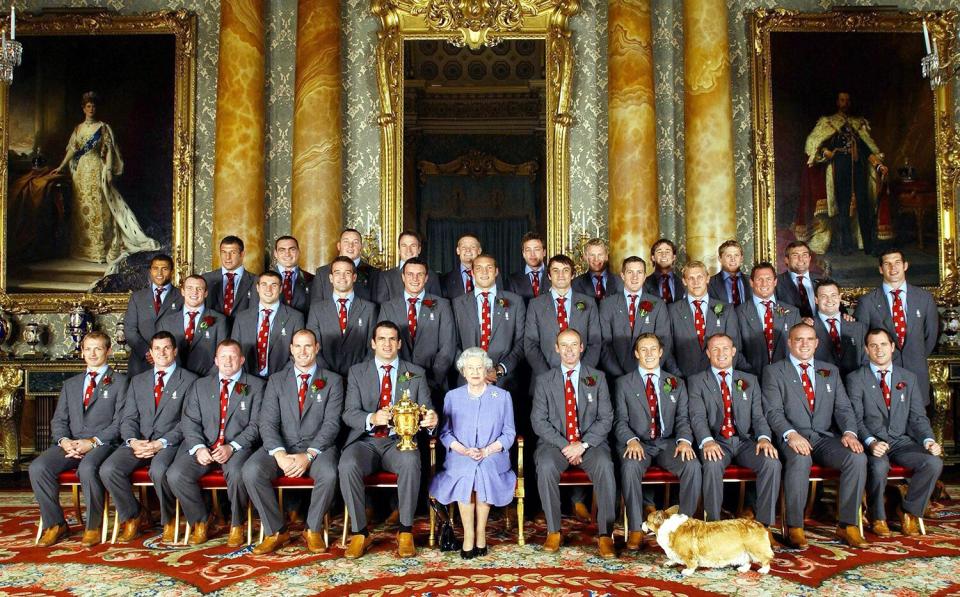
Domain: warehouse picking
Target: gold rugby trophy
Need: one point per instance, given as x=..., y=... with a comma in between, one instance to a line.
x=406, y=421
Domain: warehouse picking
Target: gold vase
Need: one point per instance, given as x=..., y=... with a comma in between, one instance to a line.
x=406, y=421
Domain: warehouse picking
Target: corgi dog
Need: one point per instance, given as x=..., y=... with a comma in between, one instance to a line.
x=696, y=543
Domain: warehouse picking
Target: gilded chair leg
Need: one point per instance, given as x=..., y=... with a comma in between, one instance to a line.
x=626, y=522
x=783, y=513
x=433, y=524
x=923, y=529
x=521, y=540
x=860, y=518
x=75, y=490
x=506, y=518
x=326, y=529
x=808, y=509
x=666, y=496
x=217, y=513
x=186, y=533
x=116, y=526
x=176, y=521
x=39, y=531
x=105, y=520
x=346, y=525
x=741, y=499
x=250, y=523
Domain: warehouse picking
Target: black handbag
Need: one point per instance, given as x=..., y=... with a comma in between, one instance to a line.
x=446, y=538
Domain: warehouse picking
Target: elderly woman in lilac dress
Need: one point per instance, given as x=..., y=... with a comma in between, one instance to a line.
x=477, y=431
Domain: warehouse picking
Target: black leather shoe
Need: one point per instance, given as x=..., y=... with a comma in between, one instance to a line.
x=479, y=551
x=467, y=555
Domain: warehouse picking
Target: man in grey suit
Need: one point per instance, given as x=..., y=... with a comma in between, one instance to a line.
x=533, y=280
x=598, y=281
x=626, y=315
x=264, y=329
x=197, y=330
x=428, y=333
x=459, y=280
x=145, y=309
x=664, y=281
x=808, y=410
x=795, y=286
x=299, y=423
x=894, y=422
x=764, y=321
x=696, y=317
x=231, y=289
x=729, y=285
x=555, y=311
x=350, y=246
x=219, y=426
x=572, y=417
x=653, y=426
x=390, y=282
x=906, y=311
x=342, y=323
x=726, y=413
x=150, y=432
x=85, y=427
x=373, y=388
x=295, y=290
x=840, y=337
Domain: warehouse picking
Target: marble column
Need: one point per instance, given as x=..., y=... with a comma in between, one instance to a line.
x=238, y=178
x=708, y=124
x=317, y=211
x=634, y=219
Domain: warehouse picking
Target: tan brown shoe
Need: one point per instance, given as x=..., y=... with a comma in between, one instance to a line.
x=850, y=534
x=169, y=531
x=199, y=534
x=52, y=535
x=796, y=538
x=581, y=512
x=129, y=530
x=605, y=547
x=357, y=546
x=909, y=524
x=774, y=544
x=880, y=529
x=271, y=543
x=552, y=543
x=235, y=538
x=405, y=546
x=90, y=538
x=315, y=542
x=635, y=540
x=392, y=520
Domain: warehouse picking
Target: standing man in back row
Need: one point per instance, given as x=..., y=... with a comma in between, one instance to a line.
x=533, y=280
x=231, y=288
x=597, y=281
x=145, y=309
x=390, y=282
x=350, y=245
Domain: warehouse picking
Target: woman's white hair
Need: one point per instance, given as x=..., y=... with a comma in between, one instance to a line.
x=474, y=352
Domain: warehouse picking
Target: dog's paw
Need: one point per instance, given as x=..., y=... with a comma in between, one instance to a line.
x=688, y=571
x=744, y=568
x=764, y=569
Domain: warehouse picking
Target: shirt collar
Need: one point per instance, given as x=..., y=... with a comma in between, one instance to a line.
x=239, y=271
x=493, y=291
x=395, y=363
x=273, y=308
x=168, y=370
x=575, y=369
x=528, y=270
x=567, y=295
x=705, y=298
x=826, y=318
x=165, y=287
x=888, y=288
x=793, y=276
x=716, y=372
x=627, y=293
x=100, y=370
x=356, y=263
x=312, y=371
x=233, y=378
x=796, y=362
x=727, y=275
x=336, y=297
x=759, y=301
x=187, y=310
x=407, y=296
x=295, y=269
x=888, y=368
x=644, y=372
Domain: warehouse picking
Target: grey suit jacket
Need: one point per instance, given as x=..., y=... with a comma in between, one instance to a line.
x=689, y=357
x=584, y=284
x=101, y=419
x=142, y=419
x=363, y=394
x=541, y=330
x=301, y=290
x=389, y=285
x=788, y=293
x=707, y=411
x=905, y=422
x=340, y=351
x=287, y=321
x=718, y=290
x=140, y=323
x=281, y=424
x=852, y=355
x=507, y=318
x=652, y=285
x=633, y=412
x=519, y=283
x=594, y=411
x=244, y=295
x=753, y=344
x=196, y=356
x=616, y=354
x=435, y=345
x=321, y=288
x=923, y=323
x=786, y=406
x=200, y=420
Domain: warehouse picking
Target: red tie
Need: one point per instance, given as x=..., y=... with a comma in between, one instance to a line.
x=191, y=327
x=412, y=318
x=561, y=313
x=157, y=300
x=485, y=321
x=468, y=287
x=228, y=294
x=834, y=335
x=386, y=393
x=652, y=404
x=302, y=396
x=158, y=389
x=768, y=329
x=665, y=293
x=88, y=393
x=287, y=287
x=224, y=399
x=884, y=387
x=570, y=399
x=599, y=291
x=726, y=430
x=343, y=315
x=699, y=322
x=804, y=298
x=535, y=282
x=263, y=339
x=632, y=311
x=735, y=289
x=807, y=385
x=899, y=318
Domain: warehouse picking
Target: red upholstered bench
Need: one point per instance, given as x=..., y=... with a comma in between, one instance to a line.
x=71, y=480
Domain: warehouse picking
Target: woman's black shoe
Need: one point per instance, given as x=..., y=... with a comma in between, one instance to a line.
x=468, y=555
x=479, y=551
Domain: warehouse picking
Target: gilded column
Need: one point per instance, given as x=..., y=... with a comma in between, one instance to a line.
x=708, y=123
x=238, y=178
x=634, y=219
x=317, y=157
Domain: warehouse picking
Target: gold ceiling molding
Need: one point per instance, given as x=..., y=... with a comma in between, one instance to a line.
x=479, y=22
x=478, y=164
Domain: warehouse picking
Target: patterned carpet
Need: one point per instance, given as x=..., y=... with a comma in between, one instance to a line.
x=929, y=565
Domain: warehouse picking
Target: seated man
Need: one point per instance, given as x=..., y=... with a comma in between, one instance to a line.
x=894, y=422
x=85, y=427
x=299, y=423
x=150, y=431
x=572, y=417
x=653, y=426
x=808, y=410
x=197, y=328
x=372, y=388
x=217, y=433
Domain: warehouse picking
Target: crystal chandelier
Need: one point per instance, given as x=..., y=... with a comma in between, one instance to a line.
x=11, y=51
x=938, y=72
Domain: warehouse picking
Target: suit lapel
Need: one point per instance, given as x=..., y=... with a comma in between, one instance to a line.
x=585, y=397
x=170, y=302
x=278, y=331
x=496, y=314
x=236, y=398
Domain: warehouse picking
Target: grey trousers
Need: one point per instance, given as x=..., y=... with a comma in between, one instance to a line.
x=926, y=470
x=744, y=453
x=115, y=474
x=184, y=474
x=659, y=452
x=261, y=468
x=368, y=455
x=827, y=451
x=46, y=468
x=550, y=462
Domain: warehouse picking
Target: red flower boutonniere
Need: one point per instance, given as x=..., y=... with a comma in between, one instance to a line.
x=645, y=308
x=823, y=372
x=590, y=381
x=718, y=309
x=429, y=303
x=901, y=385
x=319, y=384
x=742, y=385
x=581, y=305
x=503, y=302
x=670, y=384
x=405, y=377
x=106, y=381
x=240, y=388
x=781, y=311
x=207, y=321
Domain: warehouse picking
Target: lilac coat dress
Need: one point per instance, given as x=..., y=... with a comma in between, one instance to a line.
x=476, y=423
